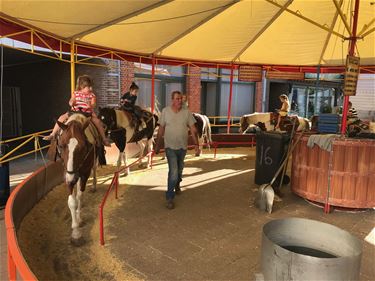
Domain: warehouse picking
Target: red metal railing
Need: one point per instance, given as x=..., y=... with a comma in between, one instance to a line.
x=114, y=183
x=217, y=143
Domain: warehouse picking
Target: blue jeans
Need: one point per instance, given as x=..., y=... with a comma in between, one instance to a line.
x=175, y=165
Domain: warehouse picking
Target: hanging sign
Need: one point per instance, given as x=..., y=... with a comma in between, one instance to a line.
x=285, y=75
x=351, y=75
x=249, y=73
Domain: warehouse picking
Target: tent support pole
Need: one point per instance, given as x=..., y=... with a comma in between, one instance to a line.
x=352, y=44
x=72, y=67
x=153, y=85
x=230, y=97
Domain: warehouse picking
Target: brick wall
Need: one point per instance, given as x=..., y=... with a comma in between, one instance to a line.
x=127, y=75
x=258, y=96
x=109, y=84
x=193, y=89
x=113, y=81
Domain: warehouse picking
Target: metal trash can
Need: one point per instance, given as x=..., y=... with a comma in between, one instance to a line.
x=271, y=149
x=302, y=249
x=4, y=177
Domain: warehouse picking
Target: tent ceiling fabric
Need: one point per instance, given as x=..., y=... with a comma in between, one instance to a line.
x=282, y=32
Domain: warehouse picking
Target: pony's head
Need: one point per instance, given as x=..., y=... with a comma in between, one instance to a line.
x=244, y=124
x=108, y=117
x=74, y=149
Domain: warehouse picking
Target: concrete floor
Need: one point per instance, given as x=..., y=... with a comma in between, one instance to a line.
x=214, y=233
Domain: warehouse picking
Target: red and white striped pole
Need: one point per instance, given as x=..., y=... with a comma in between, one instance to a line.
x=352, y=43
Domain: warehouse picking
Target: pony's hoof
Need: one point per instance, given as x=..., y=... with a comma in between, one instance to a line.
x=92, y=190
x=77, y=242
x=197, y=154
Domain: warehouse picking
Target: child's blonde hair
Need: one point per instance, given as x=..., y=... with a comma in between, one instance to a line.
x=83, y=81
x=284, y=97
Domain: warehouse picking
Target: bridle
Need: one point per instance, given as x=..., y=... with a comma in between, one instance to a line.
x=84, y=159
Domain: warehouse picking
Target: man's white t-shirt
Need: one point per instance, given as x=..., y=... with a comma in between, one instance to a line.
x=176, y=127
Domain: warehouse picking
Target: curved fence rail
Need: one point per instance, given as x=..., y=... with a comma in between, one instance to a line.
x=26, y=195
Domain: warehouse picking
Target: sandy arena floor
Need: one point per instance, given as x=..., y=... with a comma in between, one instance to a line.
x=214, y=233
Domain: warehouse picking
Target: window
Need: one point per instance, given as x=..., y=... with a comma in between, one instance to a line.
x=242, y=99
x=225, y=75
x=163, y=70
x=309, y=101
x=145, y=91
x=210, y=74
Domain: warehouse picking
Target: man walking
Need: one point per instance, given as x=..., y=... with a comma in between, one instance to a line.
x=174, y=124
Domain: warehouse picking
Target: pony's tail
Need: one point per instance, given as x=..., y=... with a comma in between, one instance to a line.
x=209, y=131
x=101, y=155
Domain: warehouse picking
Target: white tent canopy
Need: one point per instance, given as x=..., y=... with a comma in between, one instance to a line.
x=277, y=32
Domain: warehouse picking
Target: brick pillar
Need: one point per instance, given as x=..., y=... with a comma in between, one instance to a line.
x=109, y=84
x=127, y=75
x=258, y=96
x=193, y=88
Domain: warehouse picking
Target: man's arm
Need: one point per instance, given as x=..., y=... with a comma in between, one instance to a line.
x=158, y=138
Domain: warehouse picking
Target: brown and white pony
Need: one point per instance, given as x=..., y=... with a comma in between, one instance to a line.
x=263, y=120
x=266, y=121
x=204, y=130
x=77, y=146
x=119, y=127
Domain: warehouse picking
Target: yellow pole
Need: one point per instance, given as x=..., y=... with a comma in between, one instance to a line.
x=72, y=67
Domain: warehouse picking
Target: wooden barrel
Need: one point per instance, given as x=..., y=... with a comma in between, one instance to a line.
x=352, y=173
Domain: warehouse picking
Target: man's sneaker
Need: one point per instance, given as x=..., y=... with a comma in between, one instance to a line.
x=170, y=204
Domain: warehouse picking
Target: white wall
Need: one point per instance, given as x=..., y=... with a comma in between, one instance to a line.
x=364, y=100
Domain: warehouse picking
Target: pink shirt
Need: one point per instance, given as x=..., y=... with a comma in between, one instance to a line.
x=83, y=101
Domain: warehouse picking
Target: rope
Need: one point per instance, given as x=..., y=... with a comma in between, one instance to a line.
x=41, y=152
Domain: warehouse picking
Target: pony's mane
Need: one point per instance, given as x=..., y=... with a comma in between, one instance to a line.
x=78, y=118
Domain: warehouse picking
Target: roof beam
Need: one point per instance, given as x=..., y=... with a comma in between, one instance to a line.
x=157, y=51
x=330, y=33
x=282, y=9
x=308, y=20
x=120, y=19
x=367, y=33
x=366, y=26
x=343, y=17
